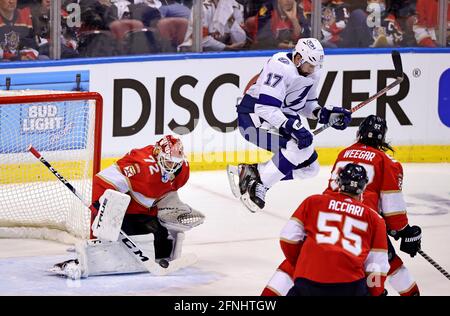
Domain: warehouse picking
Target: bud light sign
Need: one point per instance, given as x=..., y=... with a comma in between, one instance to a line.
x=47, y=126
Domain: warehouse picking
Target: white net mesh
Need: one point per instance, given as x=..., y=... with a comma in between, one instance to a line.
x=30, y=195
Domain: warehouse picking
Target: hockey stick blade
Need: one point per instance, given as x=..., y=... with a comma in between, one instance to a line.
x=397, y=61
x=183, y=262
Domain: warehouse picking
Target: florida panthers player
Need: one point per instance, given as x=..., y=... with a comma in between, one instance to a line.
x=383, y=193
x=147, y=179
x=336, y=243
x=285, y=90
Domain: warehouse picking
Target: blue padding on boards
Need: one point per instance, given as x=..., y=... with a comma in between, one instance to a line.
x=444, y=98
x=55, y=80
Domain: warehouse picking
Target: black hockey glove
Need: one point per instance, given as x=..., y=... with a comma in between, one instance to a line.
x=294, y=128
x=411, y=238
x=328, y=113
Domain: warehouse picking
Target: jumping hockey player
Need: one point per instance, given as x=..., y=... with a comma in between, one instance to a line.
x=336, y=243
x=269, y=116
x=384, y=194
x=138, y=195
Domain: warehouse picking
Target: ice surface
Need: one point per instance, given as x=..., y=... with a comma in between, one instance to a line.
x=238, y=251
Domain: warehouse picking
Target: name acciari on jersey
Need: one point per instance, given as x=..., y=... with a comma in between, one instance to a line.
x=279, y=84
x=350, y=235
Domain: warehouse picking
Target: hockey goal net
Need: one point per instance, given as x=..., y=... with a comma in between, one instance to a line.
x=66, y=129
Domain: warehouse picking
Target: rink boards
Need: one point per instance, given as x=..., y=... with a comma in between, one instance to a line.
x=194, y=95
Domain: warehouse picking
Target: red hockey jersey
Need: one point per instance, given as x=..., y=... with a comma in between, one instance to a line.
x=333, y=238
x=384, y=190
x=139, y=175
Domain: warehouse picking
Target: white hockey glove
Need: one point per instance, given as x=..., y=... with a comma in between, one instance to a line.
x=176, y=215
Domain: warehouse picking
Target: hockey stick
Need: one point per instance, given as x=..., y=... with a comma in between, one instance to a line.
x=154, y=268
x=435, y=264
x=397, y=61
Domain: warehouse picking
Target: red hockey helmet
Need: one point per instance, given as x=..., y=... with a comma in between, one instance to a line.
x=169, y=153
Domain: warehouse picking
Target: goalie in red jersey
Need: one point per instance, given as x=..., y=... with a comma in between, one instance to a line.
x=138, y=194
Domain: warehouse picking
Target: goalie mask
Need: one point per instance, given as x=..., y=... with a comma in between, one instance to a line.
x=169, y=154
x=352, y=179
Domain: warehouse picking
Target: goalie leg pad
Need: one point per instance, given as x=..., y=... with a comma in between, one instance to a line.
x=108, y=222
x=99, y=257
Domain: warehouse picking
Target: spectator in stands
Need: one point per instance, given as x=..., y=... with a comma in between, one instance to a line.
x=17, y=40
x=427, y=22
x=173, y=9
x=279, y=24
x=222, y=22
x=404, y=12
x=103, y=10
x=356, y=23
x=95, y=39
x=356, y=32
x=251, y=7
x=386, y=31
x=334, y=19
x=41, y=24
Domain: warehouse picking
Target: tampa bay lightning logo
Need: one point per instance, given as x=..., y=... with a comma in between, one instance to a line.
x=296, y=97
x=284, y=60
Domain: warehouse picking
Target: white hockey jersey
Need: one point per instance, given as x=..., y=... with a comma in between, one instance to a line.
x=280, y=85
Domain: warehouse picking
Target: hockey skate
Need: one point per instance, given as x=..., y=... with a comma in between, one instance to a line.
x=257, y=193
x=246, y=174
x=69, y=269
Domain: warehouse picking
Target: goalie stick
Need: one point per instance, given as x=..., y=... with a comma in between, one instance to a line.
x=435, y=264
x=151, y=266
x=398, y=68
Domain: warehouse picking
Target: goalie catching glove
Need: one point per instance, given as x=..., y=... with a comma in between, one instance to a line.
x=176, y=215
x=330, y=113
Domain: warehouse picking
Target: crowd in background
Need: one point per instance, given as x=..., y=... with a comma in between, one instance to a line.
x=130, y=27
